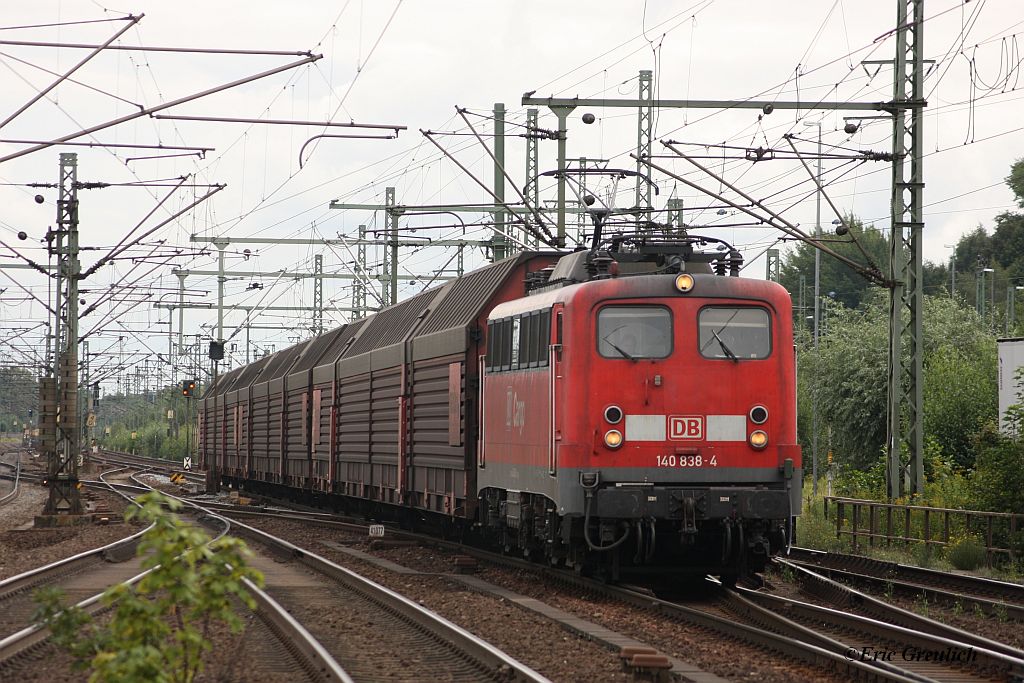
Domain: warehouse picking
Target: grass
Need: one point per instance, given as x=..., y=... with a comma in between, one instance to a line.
x=816, y=531
x=921, y=605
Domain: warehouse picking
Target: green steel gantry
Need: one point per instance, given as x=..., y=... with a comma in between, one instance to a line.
x=904, y=280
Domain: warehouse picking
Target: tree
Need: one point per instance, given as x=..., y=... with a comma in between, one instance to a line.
x=848, y=379
x=159, y=630
x=1016, y=181
x=835, y=276
x=999, y=474
x=19, y=395
x=973, y=251
x=1008, y=244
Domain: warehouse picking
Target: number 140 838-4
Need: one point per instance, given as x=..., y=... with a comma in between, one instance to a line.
x=686, y=461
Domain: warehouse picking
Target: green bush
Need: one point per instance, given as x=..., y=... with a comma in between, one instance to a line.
x=966, y=553
x=158, y=630
x=813, y=529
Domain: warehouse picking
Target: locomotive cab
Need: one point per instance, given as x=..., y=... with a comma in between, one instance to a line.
x=649, y=425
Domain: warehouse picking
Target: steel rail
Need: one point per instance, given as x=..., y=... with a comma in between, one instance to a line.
x=932, y=593
x=16, y=478
x=141, y=461
x=423, y=618
x=31, y=637
x=308, y=653
x=826, y=654
x=306, y=648
x=972, y=587
x=113, y=552
x=882, y=634
x=844, y=596
x=772, y=632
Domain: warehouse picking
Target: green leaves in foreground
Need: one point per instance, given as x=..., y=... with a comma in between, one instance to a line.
x=160, y=628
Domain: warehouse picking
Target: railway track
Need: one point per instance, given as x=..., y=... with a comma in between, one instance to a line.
x=155, y=465
x=996, y=598
x=919, y=654
x=851, y=644
x=13, y=472
x=729, y=614
x=386, y=633
x=86, y=576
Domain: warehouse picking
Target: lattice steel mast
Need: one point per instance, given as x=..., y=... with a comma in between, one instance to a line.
x=905, y=373
x=62, y=461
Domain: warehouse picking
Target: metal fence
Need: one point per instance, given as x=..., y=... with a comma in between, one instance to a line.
x=883, y=523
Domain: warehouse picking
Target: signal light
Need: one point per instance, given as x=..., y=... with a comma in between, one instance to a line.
x=758, y=439
x=684, y=282
x=188, y=387
x=613, y=438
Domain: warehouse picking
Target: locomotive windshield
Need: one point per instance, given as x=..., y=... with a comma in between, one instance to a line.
x=634, y=332
x=734, y=333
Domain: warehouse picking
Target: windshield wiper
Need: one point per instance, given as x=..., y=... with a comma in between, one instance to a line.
x=728, y=351
x=621, y=351
x=720, y=329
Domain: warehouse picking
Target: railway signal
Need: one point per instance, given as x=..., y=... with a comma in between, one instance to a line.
x=188, y=387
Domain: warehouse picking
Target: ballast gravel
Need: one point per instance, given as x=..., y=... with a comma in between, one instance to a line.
x=552, y=651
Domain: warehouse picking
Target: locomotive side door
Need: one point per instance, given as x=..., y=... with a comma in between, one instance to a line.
x=555, y=385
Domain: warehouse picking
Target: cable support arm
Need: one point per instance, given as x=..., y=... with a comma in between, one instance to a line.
x=27, y=291
x=31, y=264
x=546, y=238
x=132, y=21
x=782, y=224
x=776, y=221
x=114, y=254
x=356, y=136
x=282, y=122
x=99, y=144
x=256, y=308
x=533, y=210
x=839, y=215
x=111, y=292
x=151, y=48
x=359, y=272
x=114, y=250
x=149, y=111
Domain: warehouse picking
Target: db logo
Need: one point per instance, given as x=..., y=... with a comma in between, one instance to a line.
x=685, y=427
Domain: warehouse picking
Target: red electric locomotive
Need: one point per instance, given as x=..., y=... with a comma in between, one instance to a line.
x=624, y=410
x=639, y=414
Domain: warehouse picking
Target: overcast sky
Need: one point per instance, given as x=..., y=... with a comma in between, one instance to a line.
x=413, y=62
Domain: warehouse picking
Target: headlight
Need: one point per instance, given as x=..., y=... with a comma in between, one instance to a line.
x=758, y=439
x=684, y=282
x=759, y=415
x=613, y=414
x=613, y=438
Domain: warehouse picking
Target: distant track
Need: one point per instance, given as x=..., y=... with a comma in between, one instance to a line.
x=294, y=652
x=995, y=597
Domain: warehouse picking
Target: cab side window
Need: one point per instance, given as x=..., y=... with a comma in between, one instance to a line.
x=518, y=342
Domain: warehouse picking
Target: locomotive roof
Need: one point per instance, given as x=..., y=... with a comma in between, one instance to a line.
x=651, y=285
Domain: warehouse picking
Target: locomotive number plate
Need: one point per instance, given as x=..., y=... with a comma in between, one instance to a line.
x=686, y=461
